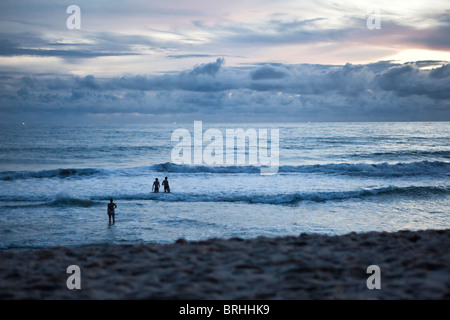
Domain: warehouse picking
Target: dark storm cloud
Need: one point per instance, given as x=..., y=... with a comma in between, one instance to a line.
x=103, y=44
x=209, y=68
x=268, y=72
x=409, y=80
x=377, y=91
x=203, y=78
x=9, y=49
x=442, y=72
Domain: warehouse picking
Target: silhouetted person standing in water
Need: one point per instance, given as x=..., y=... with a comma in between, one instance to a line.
x=155, y=187
x=165, y=183
x=111, y=207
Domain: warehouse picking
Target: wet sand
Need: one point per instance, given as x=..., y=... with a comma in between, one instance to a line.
x=414, y=265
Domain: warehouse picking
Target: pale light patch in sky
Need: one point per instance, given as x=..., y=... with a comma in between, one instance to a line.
x=113, y=66
x=330, y=52
x=417, y=55
x=31, y=64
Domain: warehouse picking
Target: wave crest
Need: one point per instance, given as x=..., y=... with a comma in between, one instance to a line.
x=253, y=198
x=358, y=169
x=291, y=198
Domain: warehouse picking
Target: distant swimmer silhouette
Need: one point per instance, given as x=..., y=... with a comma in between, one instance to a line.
x=111, y=207
x=155, y=187
x=165, y=183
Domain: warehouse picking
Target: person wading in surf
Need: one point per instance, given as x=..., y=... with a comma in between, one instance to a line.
x=155, y=187
x=165, y=183
x=111, y=207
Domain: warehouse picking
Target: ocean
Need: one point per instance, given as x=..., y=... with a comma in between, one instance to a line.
x=333, y=178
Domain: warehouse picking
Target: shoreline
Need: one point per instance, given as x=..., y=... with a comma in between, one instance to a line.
x=413, y=264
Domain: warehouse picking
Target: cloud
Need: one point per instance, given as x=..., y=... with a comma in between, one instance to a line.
x=184, y=56
x=273, y=92
x=124, y=38
x=409, y=80
x=102, y=45
x=351, y=29
x=268, y=72
x=441, y=73
x=210, y=68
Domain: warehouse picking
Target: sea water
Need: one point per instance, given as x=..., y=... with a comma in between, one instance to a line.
x=333, y=178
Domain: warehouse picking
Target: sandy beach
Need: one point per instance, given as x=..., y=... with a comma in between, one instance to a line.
x=414, y=265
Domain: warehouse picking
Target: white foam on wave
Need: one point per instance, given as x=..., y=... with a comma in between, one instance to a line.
x=65, y=199
x=359, y=169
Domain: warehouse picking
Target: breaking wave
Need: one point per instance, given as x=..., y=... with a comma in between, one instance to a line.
x=358, y=169
x=276, y=199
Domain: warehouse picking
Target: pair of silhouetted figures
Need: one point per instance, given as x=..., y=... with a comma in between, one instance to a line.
x=155, y=188
x=165, y=183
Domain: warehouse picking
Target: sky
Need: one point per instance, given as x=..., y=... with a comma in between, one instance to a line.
x=145, y=61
